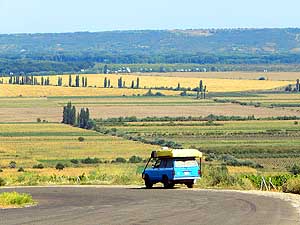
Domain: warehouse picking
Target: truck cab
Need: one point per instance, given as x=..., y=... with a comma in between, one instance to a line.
x=170, y=167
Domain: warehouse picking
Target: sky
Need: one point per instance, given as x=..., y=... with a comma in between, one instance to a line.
x=54, y=16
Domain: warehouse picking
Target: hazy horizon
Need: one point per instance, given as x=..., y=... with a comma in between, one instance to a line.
x=36, y=16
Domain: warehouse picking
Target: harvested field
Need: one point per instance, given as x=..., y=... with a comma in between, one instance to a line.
x=54, y=114
x=8, y=90
x=279, y=76
x=146, y=82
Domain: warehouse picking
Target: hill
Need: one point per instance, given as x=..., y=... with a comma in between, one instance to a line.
x=75, y=51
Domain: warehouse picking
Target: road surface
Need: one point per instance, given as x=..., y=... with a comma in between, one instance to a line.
x=117, y=205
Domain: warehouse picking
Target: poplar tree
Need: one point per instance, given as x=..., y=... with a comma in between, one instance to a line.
x=70, y=80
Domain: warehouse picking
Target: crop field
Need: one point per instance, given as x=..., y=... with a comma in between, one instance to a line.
x=28, y=109
x=279, y=100
x=255, y=140
x=279, y=76
x=8, y=90
x=31, y=144
x=97, y=80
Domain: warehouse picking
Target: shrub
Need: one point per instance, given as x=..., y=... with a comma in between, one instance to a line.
x=74, y=161
x=21, y=169
x=1, y=170
x=2, y=182
x=12, y=165
x=119, y=160
x=38, y=120
x=292, y=186
x=59, y=166
x=295, y=169
x=296, y=122
x=15, y=199
x=38, y=166
x=90, y=161
x=135, y=159
x=220, y=176
x=81, y=139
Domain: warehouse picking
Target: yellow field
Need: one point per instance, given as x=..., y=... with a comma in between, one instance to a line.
x=287, y=76
x=97, y=80
x=7, y=90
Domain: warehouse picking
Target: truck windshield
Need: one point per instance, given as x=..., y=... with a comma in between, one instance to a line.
x=185, y=163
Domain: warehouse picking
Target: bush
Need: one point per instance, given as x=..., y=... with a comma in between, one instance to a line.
x=81, y=139
x=38, y=166
x=292, y=186
x=295, y=169
x=90, y=161
x=74, y=161
x=15, y=199
x=12, y=165
x=135, y=159
x=119, y=160
x=38, y=120
x=220, y=176
x=1, y=170
x=59, y=166
x=2, y=182
x=21, y=169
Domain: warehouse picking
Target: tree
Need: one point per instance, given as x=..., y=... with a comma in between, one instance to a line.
x=105, y=82
x=297, y=86
x=77, y=81
x=85, y=82
x=42, y=81
x=73, y=116
x=138, y=83
x=108, y=83
x=70, y=80
x=105, y=69
x=132, y=84
x=59, y=166
x=201, y=88
x=120, y=82
x=82, y=82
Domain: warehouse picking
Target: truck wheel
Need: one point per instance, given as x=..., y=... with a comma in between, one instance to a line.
x=167, y=183
x=190, y=185
x=148, y=183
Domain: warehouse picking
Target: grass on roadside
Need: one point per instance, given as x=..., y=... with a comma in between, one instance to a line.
x=15, y=200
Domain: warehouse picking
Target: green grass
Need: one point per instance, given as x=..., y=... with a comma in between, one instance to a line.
x=14, y=199
x=242, y=139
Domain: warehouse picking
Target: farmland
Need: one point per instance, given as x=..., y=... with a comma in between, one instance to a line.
x=265, y=141
x=145, y=82
x=262, y=141
x=28, y=109
x=30, y=144
x=278, y=76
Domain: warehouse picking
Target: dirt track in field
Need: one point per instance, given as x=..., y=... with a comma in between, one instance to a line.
x=135, y=205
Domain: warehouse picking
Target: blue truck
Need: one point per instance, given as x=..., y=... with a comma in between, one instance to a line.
x=170, y=167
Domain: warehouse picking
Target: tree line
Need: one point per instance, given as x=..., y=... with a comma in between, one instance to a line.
x=81, y=119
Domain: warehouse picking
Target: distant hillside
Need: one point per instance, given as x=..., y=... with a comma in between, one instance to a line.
x=220, y=46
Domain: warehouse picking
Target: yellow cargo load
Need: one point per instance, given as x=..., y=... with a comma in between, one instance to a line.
x=177, y=153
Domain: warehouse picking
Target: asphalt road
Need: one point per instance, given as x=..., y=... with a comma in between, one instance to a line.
x=98, y=205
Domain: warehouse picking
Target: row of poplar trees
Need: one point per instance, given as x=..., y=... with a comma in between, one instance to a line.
x=81, y=119
x=122, y=84
x=28, y=80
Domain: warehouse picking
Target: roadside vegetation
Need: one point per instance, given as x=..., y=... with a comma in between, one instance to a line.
x=15, y=200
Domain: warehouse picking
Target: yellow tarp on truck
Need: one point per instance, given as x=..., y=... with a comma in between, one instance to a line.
x=177, y=153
